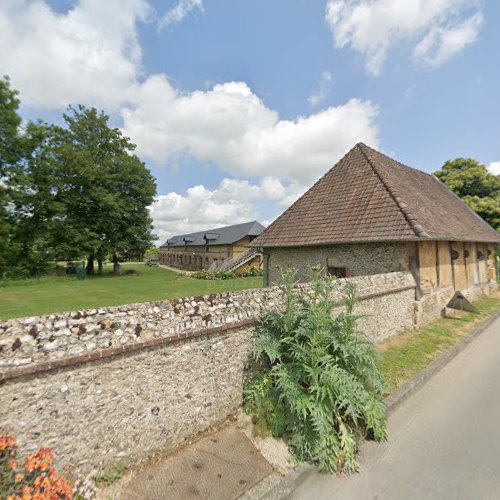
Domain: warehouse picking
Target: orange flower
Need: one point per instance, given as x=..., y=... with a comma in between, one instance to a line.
x=7, y=442
x=12, y=464
x=26, y=491
x=19, y=477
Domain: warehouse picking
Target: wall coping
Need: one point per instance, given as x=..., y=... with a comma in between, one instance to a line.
x=384, y=284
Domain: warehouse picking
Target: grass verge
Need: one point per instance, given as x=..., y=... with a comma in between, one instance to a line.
x=404, y=355
x=56, y=294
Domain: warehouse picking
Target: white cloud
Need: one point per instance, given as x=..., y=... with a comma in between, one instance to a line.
x=232, y=202
x=90, y=54
x=230, y=126
x=438, y=29
x=176, y=14
x=324, y=89
x=494, y=167
x=441, y=43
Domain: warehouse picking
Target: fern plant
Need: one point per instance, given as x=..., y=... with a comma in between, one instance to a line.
x=319, y=386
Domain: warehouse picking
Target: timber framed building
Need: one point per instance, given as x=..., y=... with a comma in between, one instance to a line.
x=370, y=214
x=212, y=247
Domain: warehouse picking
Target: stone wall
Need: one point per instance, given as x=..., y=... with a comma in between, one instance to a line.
x=361, y=259
x=116, y=384
x=430, y=306
x=126, y=407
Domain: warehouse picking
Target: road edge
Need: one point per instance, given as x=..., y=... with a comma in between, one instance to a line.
x=415, y=383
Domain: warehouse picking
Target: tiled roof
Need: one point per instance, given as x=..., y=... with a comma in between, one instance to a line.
x=368, y=196
x=219, y=236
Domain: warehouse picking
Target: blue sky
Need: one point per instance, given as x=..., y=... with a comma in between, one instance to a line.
x=239, y=106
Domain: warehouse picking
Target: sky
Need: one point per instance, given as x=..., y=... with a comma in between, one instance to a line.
x=238, y=107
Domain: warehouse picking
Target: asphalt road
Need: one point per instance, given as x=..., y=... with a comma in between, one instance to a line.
x=444, y=441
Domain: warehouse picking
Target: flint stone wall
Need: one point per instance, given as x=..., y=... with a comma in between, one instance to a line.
x=117, y=384
x=362, y=259
x=42, y=339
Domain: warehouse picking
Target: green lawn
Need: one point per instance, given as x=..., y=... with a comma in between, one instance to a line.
x=406, y=354
x=46, y=295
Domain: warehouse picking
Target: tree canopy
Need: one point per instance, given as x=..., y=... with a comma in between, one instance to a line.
x=75, y=191
x=479, y=188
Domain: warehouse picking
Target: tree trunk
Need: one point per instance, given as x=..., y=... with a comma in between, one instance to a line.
x=90, y=265
x=116, y=265
x=99, y=266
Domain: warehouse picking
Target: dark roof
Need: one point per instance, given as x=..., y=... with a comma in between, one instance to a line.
x=219, y=236
x=368, y=196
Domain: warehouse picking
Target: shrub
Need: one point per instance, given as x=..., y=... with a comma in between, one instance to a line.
x=216, y=275
x=16, y=273
x=37, y=479
x=319, y=386
x=248, y=272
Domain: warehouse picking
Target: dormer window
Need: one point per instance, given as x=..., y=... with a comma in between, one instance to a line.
x=209, y=237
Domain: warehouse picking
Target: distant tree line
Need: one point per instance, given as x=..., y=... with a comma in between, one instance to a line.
x=69, y=192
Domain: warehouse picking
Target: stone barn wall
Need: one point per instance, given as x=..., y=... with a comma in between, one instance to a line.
x=117, y=384
x=360, y=259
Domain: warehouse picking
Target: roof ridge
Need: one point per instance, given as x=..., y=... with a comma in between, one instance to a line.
x=289, y=209
x=439, y=181
x=400, y=203
x=413, y=169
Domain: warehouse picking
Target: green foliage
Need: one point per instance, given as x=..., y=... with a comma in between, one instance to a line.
x=152, y=252
x=252, y=271
x=69, y=192
x=10, y=153
x=226, y=275
x=216, y=275
x=319, y=386
x=480, y=189
x=110, y=474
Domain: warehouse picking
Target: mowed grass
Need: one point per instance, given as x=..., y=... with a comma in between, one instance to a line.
x=58, y=294
x=403, y=356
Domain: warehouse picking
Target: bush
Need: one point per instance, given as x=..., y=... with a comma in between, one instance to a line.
x=248, y=272
x=37, y=479
x=17, y=273
x=216, y=275
x=319, y=386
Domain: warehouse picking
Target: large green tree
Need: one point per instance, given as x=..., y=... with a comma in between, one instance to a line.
x=103, y=187
x=479, y=188
x=12, y=152
x=69, y=191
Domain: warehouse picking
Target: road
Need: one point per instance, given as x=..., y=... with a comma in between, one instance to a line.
x=444, y=441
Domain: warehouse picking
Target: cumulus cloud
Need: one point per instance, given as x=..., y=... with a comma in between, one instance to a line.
x=91, y=54
x=176, y=14
x=494, y=167
x=231, y=126
x=231, y=202
x=438, y=29
x=324, y=89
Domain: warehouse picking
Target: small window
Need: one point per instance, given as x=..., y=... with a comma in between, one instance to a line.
x=339, y=272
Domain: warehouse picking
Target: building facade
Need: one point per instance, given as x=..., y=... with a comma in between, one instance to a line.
x=370, y=215
x=200, y=250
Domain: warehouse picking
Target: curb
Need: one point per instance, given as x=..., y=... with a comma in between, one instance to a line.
x=286, y=486
x=413, y=385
